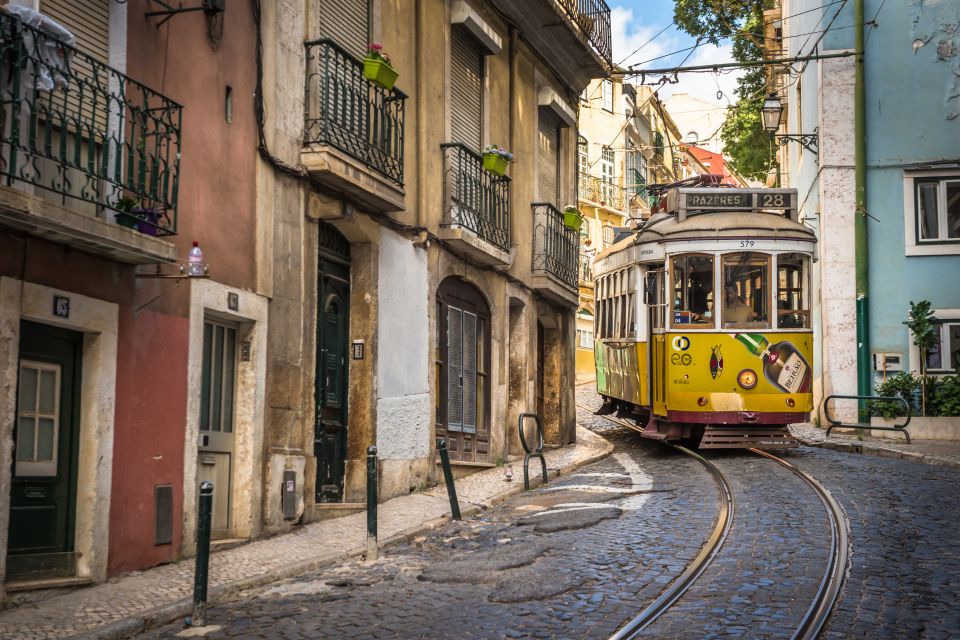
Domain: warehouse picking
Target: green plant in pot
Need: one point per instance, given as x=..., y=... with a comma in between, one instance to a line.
x=572, y=218
x=495, y=159
x=135, y=217
x=377, y=67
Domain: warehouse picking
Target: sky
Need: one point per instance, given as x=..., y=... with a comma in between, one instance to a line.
x=636, y=22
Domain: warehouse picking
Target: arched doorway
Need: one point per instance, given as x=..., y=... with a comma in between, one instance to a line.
x=333, y=324
x=463, y=371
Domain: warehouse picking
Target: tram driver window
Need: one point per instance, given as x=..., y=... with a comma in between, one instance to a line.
x=746, y=290
x=793, y=309
x=693, y=299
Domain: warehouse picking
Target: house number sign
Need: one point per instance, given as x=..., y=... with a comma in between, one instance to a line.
x=61, y=306
x=358, y=349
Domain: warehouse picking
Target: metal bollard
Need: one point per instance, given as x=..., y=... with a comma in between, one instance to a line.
x=201, y=574
x=448, y=478
x=372, y=549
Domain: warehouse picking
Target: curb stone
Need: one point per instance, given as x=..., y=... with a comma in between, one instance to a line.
x=882, y=452
x=180, y=609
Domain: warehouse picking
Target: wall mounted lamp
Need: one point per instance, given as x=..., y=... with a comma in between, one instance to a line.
x=770, y=113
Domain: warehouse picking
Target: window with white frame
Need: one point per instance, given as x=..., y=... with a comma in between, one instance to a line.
x=585, y=339
x=931, y=212
x=945, y=354
x=607, y=89
x=607, y=175
x=938, y=209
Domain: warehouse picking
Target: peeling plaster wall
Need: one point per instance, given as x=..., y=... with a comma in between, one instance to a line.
x=936, y=24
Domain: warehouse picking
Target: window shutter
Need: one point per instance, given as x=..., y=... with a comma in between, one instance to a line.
x=548, y=156
x=466, y=88
x=454, y=369
x=346, y=22
x=469, y=372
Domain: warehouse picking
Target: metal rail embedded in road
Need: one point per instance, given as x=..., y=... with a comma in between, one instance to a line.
x=707, y=553
x=832, y=581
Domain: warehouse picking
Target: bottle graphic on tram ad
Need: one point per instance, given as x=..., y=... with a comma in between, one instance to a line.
x=783, y=365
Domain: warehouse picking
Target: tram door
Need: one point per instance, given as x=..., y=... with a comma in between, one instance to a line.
x=333, y=322
x=656, y=294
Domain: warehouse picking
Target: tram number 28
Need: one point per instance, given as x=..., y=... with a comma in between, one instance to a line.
x=771, y=200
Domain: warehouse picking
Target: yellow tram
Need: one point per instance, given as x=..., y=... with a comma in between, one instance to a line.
x=702, y=319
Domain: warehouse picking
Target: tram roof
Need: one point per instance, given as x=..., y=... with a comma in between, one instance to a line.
x=713, y=225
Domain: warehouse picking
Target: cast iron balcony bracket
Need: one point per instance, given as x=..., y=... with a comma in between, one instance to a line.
x=555, y=246
x=351, y=113
x=83, y=130
x=473, y=197
x=809, y=141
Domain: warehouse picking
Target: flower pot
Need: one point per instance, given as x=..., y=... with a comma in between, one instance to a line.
x=495, y=163
x=572, y=220
x=378, y=71
x=142, y=220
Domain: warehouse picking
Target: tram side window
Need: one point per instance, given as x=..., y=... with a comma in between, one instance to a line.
x=746, y=285
x=793, y=307
x=598, y=316
x=631, y=302
x=693, y=299
x=655, y=298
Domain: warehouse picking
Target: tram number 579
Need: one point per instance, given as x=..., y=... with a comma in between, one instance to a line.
x=746, y=243
x=771, y=199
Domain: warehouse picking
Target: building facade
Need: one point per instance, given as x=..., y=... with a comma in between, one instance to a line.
x=912, y=169
x=364, y=280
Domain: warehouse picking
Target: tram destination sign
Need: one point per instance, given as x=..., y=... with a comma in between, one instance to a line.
x=683, y=200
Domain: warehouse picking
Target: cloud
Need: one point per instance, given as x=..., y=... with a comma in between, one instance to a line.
x=631, y=33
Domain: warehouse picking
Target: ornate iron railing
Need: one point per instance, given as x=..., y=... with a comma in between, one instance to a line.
x=593, y=18
x=658, y=144
x=351, y=113
x=474, y=198
x=585, y=269
x=555, y=245
x=608, y=194
x=81, y=130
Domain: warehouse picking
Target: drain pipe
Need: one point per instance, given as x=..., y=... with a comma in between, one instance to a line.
x=860, y=214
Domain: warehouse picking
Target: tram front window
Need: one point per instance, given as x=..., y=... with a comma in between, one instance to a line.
x=793, y=309
x=746, y=286
x=693, y=299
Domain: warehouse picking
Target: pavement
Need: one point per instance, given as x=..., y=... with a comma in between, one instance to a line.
x=130, y=604
x=944, y=453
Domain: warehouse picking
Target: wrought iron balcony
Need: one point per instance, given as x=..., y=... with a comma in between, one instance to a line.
x=585, y=269
x=602, y=191
x=555, y=245
x=593, y=18
x=82, y=132
x=474, y=198
x=353, y=114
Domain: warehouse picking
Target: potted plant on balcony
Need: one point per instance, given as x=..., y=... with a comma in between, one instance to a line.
x=495, y=160
x=377, y=68
x=130, y=215
x=572, y=218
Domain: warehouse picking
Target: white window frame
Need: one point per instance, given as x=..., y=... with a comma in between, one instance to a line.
x=913, y=246
x=41, y=467
x=947, y=316
x=606, y=89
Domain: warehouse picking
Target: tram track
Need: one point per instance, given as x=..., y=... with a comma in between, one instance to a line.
x=831, y=582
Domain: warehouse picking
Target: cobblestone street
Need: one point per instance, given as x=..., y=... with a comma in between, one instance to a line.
x=583, y=555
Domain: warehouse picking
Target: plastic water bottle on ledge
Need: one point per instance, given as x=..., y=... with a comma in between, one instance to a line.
x=195, y=260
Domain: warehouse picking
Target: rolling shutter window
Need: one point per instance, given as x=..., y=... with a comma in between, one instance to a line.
x=454, y=369
x=548, y=156
x=89, y=22
x=466, y=88
x=469, y=372
x=346, y=22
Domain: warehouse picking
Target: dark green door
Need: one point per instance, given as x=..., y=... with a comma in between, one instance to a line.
x=46, y=437
x=333, y=322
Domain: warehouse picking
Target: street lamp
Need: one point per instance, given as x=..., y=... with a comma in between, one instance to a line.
x=770, y=112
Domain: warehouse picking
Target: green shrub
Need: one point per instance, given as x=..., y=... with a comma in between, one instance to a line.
x=945, y=396
x=903, y=385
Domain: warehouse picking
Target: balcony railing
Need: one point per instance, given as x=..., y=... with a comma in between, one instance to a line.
x=593, y=18
x=585, y=269
x=80, y=130
x=351, y=113
x=603, y=191
x=555, y=245
x=474, y=198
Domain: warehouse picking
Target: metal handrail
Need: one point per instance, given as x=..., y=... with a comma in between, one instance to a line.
x=606, y=192
x=585, y=269
x=593, y=19
x=347, y=111
x=555, y=245
x=473, y=197
x=825, y=406
x=83, y=130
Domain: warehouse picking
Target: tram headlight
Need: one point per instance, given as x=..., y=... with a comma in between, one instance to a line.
x=790, y=402
x=747, y=378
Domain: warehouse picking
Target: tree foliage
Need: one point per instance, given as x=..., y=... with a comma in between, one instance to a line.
x=745, y=142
